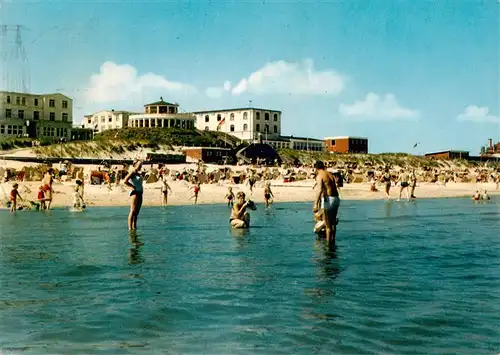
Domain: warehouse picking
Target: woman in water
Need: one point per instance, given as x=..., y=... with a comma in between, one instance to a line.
x=134, y=181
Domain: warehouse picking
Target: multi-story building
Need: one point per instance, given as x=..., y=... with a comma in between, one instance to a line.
x=491, y=150
x=162, y=114
x=35, y=115
x=357, y=145
x=104, y=120
x=247, y=124
x=296, y=143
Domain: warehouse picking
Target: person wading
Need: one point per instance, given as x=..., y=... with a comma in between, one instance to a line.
x=327, y=200
x=134, y=181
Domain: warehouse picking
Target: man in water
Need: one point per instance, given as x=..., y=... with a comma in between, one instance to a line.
x=327, y=200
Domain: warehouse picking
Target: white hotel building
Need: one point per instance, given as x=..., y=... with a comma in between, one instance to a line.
x=247, y=124
x=35, y=115
x=162, y=114
x=104, y=120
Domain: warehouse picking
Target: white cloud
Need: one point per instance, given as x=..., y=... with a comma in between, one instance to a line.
x=477, y=114
x=117, y=82
x=283, y=77
x=215, y=92
x=378, y=108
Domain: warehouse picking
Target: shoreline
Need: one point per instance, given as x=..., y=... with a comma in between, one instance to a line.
x=301, y=191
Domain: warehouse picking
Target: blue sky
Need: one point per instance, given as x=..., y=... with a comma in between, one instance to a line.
x=398, y=72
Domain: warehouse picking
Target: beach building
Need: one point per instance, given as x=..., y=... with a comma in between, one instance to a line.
x=296, y=143
x=162, y=114
x=448, y=155
x=80, y=133
x=208, y=154
x=106, y=119
x=491, y=150
x=246, y=123
x=47, y=116
x=346, y=144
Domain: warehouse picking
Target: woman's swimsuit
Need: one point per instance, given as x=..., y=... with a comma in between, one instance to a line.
x=136, y=180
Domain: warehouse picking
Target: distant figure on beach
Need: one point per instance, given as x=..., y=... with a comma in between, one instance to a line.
x=413, y=183
x=404, y=183
x=251, y=182
x=485, y=196
x=47, y=181
x=229, y=197
x=240, y=218
x=196, y=190
x=14, y=194
x=476, y=196
x=268, y=194
x=164, y=189
x=327, y=201
x=134, y=181
x=78, y=201
x=386, y=180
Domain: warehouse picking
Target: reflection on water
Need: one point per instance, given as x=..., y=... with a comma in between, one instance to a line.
x=194, y=285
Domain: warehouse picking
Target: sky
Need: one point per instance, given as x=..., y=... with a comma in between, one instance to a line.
x=398, y=72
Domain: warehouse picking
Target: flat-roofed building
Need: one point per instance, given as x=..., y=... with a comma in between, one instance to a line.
x=35, y=115
x=296, y=143
x=162, y=114
x=106, y=119
x=346, y=144
x=246, y=123
x=449, y=154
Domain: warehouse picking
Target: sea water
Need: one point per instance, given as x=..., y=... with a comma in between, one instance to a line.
x=417, y=277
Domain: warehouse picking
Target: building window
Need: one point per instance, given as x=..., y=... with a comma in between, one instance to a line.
x=110, y=119
x=257, y=115
x=2, y=129
x=207, y=118
x=103, y=119
x=36, y=101
x=206, y=128
x=65, y=104
x=8, y=101
x=9, y=129
x=257, y=127
x=245, y=115
x=275, y=117
x=333, y=142
x=8, y=113
x=231, y=117
x=52, y=103
x=20, y=114
x=23, y=100
x=275, y=129
x=218, y=117
x=89, y=121
x=52, y=116
x=245, y=127
x=36, y=115
x=18, y=101
x=65, y=117
x=266, y=116
x=231, y=128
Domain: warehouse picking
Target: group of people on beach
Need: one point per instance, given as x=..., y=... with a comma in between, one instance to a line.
x=407, y=182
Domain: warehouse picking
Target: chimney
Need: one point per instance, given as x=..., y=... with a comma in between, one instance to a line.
x=490, y=143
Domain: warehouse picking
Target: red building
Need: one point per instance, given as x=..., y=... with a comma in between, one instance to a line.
x=491, y=149
x=209, y=154
x=347, y=144
x=449, y=155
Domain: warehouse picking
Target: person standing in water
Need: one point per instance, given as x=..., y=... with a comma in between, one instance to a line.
x=47, y=182
x=134, y=181
x=78, y=201
x=386, y=180
x=413, y=183
x=327, y=201
x=196, y=190
x=14, y=194
x=268, y=194
x=164, y=189
x=403, y=180
x=240, y=218
x=229, y=197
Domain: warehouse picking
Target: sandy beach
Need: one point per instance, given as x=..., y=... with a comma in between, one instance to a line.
x=101, y=195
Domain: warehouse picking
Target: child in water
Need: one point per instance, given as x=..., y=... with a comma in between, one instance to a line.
x=268, y=194
x=229, y=197
x=240, y=218
x=41, y=197
x=476, y=196
x=14, y=194
x=77, y=196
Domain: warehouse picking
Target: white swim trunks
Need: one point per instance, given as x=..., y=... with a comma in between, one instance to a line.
x=330, y=203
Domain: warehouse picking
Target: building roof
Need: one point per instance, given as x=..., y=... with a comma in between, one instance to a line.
x=345, y=137
x=236, y=109
x=448, y=151
x=35, y=95
x=161, y=103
